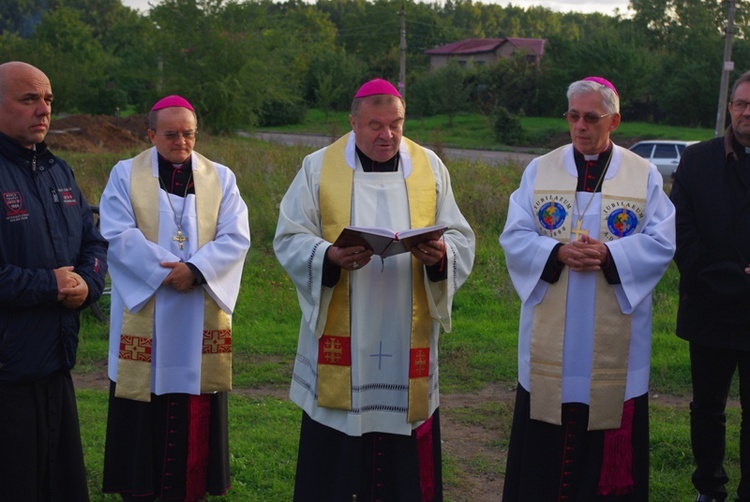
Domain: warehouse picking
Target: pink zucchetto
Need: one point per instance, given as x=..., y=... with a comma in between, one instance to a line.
x=602, y=81
x=377, y=86
x=172, y=101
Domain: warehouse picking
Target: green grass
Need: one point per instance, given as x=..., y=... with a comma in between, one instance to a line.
x=473, y=131
x=671, y=460
x=480, y=351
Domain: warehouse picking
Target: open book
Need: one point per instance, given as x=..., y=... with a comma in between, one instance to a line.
x=385, y=242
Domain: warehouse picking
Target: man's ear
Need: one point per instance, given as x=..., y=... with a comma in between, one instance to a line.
x=615, y=122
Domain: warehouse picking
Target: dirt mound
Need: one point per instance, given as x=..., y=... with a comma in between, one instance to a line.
x=97, y=133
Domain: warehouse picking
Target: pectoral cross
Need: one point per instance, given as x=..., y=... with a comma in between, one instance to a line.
x=181, y=238
x=578, y=231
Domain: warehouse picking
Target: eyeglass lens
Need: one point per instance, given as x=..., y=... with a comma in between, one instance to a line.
x=589, y=118
x=173, y=135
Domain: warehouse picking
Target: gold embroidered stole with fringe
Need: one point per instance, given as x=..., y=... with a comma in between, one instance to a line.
x=136, y=340
x=623, y=207
x=334, y=347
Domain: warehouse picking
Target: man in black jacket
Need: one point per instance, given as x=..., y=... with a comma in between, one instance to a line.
x=711, y=192
x=52, y=265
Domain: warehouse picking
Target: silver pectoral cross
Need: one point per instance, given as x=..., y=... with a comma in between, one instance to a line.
x=578, y=231
x=180, y=238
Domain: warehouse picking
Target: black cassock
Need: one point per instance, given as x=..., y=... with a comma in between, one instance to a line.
x=548, y=462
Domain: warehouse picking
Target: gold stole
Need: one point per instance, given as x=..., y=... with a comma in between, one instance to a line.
x=623, y=209
x=134, y=365
x=334, y=347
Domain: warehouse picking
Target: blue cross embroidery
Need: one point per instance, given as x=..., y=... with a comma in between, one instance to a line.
x=380, y=355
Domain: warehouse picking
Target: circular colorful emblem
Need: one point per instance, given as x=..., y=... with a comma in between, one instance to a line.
x=622, y=222
x=551, y=215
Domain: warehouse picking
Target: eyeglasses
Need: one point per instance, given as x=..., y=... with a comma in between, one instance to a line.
x=589, y=118
x=173, y=135
x=739, y=105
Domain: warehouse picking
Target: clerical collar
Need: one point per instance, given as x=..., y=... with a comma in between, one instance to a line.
x=175, y=177
x=373, y=166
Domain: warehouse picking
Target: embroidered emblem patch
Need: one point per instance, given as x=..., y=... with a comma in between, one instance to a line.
x=135, y=348
x=622, y=222
x=419, y=362
x=13, y=201
x=14, y=204
x=551, y=215
x=67, y=196
x=217, y=341
x=335, y=350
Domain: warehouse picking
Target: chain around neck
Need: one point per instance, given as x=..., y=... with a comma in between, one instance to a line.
x=184, y=204
x=599, y=182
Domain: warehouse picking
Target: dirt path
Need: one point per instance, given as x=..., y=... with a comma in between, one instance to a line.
x=474, y=426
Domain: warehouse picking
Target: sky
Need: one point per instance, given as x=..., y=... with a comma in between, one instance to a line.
x=604, y=6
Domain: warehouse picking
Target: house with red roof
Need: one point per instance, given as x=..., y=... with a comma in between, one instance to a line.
x=485, y=51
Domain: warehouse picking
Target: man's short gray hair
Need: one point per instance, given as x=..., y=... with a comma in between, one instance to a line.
x=610, y=99
x=745, y=77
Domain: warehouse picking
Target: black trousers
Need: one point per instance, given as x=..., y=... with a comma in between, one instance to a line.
x=712, y=370
x=41, y=458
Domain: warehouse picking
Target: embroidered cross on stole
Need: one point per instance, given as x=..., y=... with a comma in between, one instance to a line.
x=135, y=356
x=334, y=347
x=554, y=194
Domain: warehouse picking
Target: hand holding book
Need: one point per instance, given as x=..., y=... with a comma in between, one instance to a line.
x=349, y=257
x=385, y=242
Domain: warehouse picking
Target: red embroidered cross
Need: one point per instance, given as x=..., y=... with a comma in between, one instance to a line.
x=135, y=348
x=217, y=341
x=419, y=362
x=335, y=350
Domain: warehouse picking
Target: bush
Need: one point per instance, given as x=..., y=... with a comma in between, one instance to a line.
x=278, y=113
x=507, y=126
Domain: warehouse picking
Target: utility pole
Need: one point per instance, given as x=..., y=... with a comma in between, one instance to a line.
x=728, y=66
x=402, y=52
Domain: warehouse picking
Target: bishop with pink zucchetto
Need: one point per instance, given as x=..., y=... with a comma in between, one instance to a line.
x=178, y=233
x=366, y=370
x=585, y=280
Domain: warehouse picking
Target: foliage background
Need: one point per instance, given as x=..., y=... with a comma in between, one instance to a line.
x=259, y=62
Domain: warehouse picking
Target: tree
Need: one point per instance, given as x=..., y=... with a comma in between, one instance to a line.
x=74, y=61
x=440, y=92
x=332, y=78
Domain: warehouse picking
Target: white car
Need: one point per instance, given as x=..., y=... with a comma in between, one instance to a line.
x=664, y=154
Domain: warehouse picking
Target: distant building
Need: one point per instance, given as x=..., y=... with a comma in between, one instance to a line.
x=481, y=51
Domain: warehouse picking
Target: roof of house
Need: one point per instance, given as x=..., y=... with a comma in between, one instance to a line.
x=481, y=45
x=534, y=45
